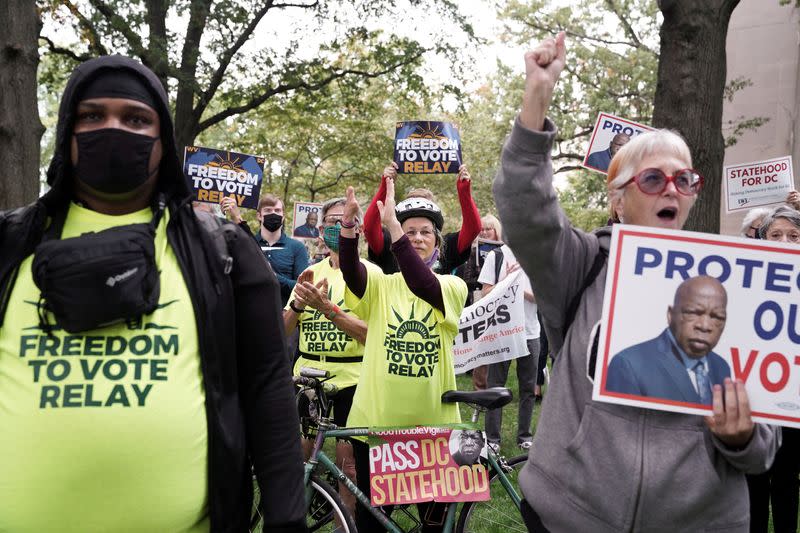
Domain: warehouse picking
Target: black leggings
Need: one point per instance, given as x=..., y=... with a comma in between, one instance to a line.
x=780, y=484
x=366, y=523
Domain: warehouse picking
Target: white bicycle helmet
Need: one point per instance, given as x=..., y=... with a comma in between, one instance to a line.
x=420, y=207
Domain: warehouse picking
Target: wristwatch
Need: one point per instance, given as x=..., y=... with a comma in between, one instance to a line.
x=295, y=309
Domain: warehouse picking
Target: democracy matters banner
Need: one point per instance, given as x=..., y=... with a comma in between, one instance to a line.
x=422, y=464
x=215, y=174
x=493, y=328
x=683, y=311
x=757, y=184
x=426, y=147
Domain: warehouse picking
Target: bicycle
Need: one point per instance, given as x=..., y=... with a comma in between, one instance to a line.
x=501, y=513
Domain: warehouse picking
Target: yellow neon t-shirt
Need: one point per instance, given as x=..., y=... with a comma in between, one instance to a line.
x=408, y=356
x=103, y=430
x=319, y=336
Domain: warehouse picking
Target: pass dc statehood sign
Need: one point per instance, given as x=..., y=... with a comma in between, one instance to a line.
x=426, y=147
x=422, y=464
x=728, y=302
x=492, y=329
x=307, y=219
x=758, y=184
x=609, y=135
x=215, y=174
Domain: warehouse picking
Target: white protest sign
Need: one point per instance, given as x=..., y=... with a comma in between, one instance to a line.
x=493, y=328
x=649, y=345
x=758, y=184
x=610, y=134
x=307, y=219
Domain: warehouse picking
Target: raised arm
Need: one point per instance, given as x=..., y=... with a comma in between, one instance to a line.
x=555, y=256
x=372, y=218
x=353, y=272
x=470, y=217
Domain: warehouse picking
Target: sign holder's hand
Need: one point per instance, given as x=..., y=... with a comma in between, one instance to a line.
x=463, y=173
x=731, y=421
x=390, y=172
x=793, y=199
x=231, y=209
x=543, y=65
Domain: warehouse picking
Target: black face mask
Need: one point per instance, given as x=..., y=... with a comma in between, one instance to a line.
x=272, y=221
x=113, y=161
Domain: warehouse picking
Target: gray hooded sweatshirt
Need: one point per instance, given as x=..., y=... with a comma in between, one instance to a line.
x=598, y=467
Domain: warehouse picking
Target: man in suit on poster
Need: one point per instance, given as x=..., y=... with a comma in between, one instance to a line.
x=679, y=364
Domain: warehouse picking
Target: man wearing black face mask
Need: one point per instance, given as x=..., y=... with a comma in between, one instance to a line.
x=287, y=256
x=166, y=403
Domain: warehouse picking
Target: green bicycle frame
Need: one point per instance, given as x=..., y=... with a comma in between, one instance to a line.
x=318, y=457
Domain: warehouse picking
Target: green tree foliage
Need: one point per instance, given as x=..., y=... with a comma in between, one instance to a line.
x=613, y=56
x=206, y=51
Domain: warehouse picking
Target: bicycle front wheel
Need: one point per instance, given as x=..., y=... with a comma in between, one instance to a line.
x=326, y=512
x=500, y=514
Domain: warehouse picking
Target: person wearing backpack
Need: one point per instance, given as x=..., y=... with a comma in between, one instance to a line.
x=498, y=265
x=143, y=361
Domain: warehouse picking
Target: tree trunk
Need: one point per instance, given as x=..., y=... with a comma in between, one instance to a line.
x=20, y=128
x=691, y=80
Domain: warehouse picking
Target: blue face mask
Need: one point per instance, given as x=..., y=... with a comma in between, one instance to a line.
x=331, y=237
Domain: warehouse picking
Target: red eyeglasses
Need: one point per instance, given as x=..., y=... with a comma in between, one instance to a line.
x=688, y=181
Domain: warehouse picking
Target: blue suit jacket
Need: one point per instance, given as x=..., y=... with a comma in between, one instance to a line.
x=654, y=368
x=600, y=160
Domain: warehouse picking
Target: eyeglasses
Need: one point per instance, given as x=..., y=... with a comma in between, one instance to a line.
x=653, y=181
x=332, y=220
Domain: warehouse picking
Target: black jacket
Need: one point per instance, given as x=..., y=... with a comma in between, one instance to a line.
x=250, y=409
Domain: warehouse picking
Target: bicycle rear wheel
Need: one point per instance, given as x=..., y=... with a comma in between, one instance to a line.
x=326, y=512
x=500, y=514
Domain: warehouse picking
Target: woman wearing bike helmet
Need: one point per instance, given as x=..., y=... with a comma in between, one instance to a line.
x=454, y=247
x=412, y=319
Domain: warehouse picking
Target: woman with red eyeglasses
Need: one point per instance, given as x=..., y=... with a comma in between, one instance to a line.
x=600, y=467
x=651, y=182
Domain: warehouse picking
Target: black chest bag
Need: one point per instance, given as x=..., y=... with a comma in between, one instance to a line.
x=98, y=278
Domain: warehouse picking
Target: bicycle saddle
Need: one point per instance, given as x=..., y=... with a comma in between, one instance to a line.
x=488, y=398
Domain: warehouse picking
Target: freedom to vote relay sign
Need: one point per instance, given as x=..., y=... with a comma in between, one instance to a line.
x=425, y=147
x=422, y=464
x=215, y=174
x=758, y=184
x=716, y=307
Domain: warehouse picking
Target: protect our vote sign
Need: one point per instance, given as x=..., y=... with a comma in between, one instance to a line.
x=675, y=299
x=422, y=464
x=610, y=133
x=215, y=174
x=426, y=147
x=757, y=184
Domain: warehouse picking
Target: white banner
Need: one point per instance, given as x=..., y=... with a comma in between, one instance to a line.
x=758, y=184
x=683, y=311
x=492, y=329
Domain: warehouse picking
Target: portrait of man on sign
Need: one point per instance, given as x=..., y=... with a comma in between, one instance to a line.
x=679, y=364
x=466, y=446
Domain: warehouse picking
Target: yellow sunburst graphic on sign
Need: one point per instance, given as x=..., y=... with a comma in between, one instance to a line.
x=412, y=325
x=427, y=132
x=225, y=162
